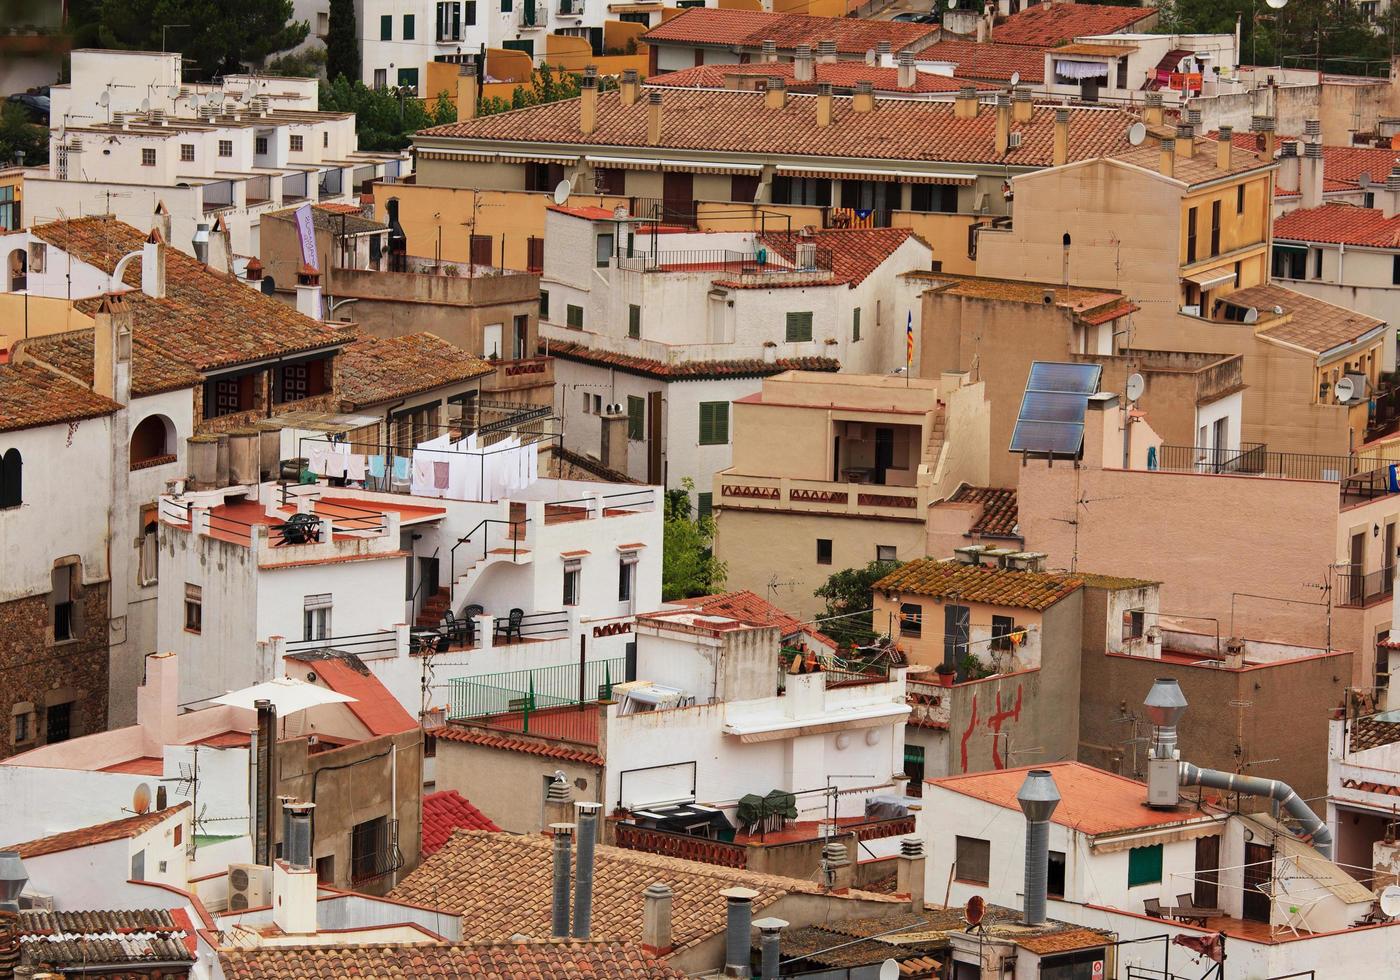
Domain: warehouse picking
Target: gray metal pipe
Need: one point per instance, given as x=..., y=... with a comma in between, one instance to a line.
x=563, y=845
x=1037, y=871
x=583, y=890
x=770, y=945
x=1313, y=825
x=738, y=926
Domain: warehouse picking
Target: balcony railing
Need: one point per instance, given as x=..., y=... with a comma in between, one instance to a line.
x=523, y=693
x=259, y=190
x=571, y=8
x=383, y=643
x=1221, y=377
x=1362, y=475
x=833, y=217
x=670, y=212
x=331, y=182
x=294, y=187
x=1356, y=590
x=757, y=266
x=685, y=846
x=218, y=194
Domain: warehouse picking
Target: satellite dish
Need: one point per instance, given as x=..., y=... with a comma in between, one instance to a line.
x=1345, y=389
x=1364, y=179
x=173, y=92
x=562, y=191
x=104, y=99
x=1277, y=4
x=141, y=798
x=889, y=970
x=871, y=58
x=1135, y=387
x=1015, y=78
x=1390, y=900
x=975, y=910
x=145, y=105
x=1251, y=315
x=196, y=101
x=1137, y=132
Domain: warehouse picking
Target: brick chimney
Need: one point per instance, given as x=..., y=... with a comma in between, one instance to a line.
x=863, y=96
x=466, y=89
x=1021, y=105
x=882, y=52
x=588, y=101
x=612, y=448
x=629, y=89
x=1224, y=148
x=1310, y=182
x=653, y=118
x=965, y=104
x=909, y=872
x=1264, y=125
x=1289, y=173
x=111, y=349
x=1390, y=200
x=776, y=96
x=824, y=105
x=656, y=919
x=1060, y=151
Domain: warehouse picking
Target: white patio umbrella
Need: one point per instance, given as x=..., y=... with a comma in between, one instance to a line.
x=287, y=694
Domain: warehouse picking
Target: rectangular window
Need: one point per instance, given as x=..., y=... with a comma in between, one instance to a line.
x=386, y=27
x=914, y=769
x=1395, y=270
x=799, y=327
x=296, y=143
x=626, y=566
x=1002, y=628
x=571, y=574
x=369, y=849
x=939, y=198
x=325, y=139
x=381, y=78
x=1145, y=865
x=58, y=722
x=479, y=249
x=603, y=249
x=544, y=304
x=148, y=157
x=64, y=616
x=1133, y=624
x=408, y=27
x=21, y=727
x=408, y=78
x=1317, y=263
x=714, y=423
x=973, y=860
x=316, y=617
x=855, y=324
x=1239, y=199
x=587, y=403
x=634, y=321
x=705, y=505
x=823, y=551
x=194, y=608
x=225, y=148
x=1191, y=235
x=186, y=152
x=911, y=619
x=534, y=254
x=573, y=317
x=260, y=145
x=886, y=552
x=1055, y=884
x=507, y=6
x=636, y=418
x=1214, y=227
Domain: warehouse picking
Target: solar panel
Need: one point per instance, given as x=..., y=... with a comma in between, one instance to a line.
x=1052, y=438
x=1052, y=406
x=1080, y=379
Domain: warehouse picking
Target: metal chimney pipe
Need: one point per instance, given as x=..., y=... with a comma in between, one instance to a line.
x=297, y=849
x=1038, y=797
x=286, y=804
x=13, y=878
x=1164, y=704
x=563, y=844
x=738, y=925
x=583, y=894
x=262, y=805
x=770, y=943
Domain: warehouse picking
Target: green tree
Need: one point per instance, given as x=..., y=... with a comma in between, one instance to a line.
x=221, y=36
x=1321, y=34
x=306, y=63
x=849, y=596
x=342, y=44
x=384, y=119
x=19, y=135
x=688, y=564
x=544, y=86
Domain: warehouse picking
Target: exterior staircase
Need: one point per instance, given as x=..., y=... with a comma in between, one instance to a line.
x=934, y=449
x=430, y=616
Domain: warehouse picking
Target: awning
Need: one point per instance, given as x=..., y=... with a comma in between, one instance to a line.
x=904, y=176
x=1069, y=68
x=689, y=166
x=1211, y=278
x=1127, y=841
x=1092, y=50
x=490, y=157
x=841, y=721
x=635, y=8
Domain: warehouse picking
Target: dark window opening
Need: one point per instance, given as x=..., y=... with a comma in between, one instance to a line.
x=973, y=860
x=11, y=479
x=911, y=619
x=58, y=722
x=823, y=551
x=1002, y=628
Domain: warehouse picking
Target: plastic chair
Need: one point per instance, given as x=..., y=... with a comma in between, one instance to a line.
x=513, y=623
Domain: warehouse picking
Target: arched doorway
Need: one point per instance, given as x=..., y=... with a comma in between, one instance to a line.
x=152, y=440
x=17, y=270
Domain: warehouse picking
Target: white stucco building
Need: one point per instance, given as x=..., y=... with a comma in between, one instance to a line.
x=657, y=331
x=1344, y=254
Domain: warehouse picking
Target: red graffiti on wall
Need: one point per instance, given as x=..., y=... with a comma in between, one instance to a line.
x=995, y=722
x=971, y=726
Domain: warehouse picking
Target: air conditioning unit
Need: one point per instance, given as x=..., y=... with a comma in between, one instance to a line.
x=38, y=256
x=34, y=902
x=249, y=886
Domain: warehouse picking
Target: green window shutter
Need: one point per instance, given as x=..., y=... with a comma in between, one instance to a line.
x=799, y=327
x=386, y=27
x=634, y=321
x=1145, y=865
x=714, y=423
x=408, y=27
x=544, y=304
x=575, y=317
x=706, y=505
x=507, y=6
x=636, y=418
x=855, y=325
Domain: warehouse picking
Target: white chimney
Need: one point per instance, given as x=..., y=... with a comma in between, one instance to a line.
x=1310, y=181
x=309, y=292
x=293, y=878
x=153, y=266
x=802, y=66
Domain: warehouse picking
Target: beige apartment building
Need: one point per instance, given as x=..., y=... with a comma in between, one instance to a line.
x=833, y=471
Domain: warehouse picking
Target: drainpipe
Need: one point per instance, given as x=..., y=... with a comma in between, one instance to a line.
x=1313, y=826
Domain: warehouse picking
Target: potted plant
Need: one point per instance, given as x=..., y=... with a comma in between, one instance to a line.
x=945, y=673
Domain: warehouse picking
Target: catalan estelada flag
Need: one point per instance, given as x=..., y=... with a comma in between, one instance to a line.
x=909, y=342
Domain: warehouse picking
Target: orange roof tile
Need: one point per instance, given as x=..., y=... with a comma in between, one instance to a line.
x=748, y=607
x=855, y=253
x=373, y=370
x=753, y=367
x=513, y=743
x=562, y=960
x=989, y=61
x=750, y=28
x=1310, y=323
x=152, y=372
x=374, y=706
x=31, y=396
x=1092, y=801
x=446, y=812
x=1064, y=942
x=840, y=74
x=999, y=512
x=101, y=833
x=741, y=122
x=1049, y=25
x=1344, y=223
x=977, y=583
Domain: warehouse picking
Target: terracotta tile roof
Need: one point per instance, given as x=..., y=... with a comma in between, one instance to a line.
x=514, y=743
x=1093, y=580
x=1344, y=223
x=1315, y=325
x=373, y=370
x=564, y=960
x=1371, y=733
x=999, y=512
x=840, y=74
x=1348, y=163
x=334, y=218
x=1064, y=942
x=750, y=28
x=976, y=583
x=377, y=709
x=152, y=372
x=1106, y=313
x=912, y=130
x=31, y=396
x=446, y=812
x=752, y=367
x=855, y=253
x=1092, y=801
x=101, y=833
x=102, y=936
x=989, y=61
x=748, y=607
x=500, y=885
x=1049, y=25
x=206, y=320
x=1199, y=168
